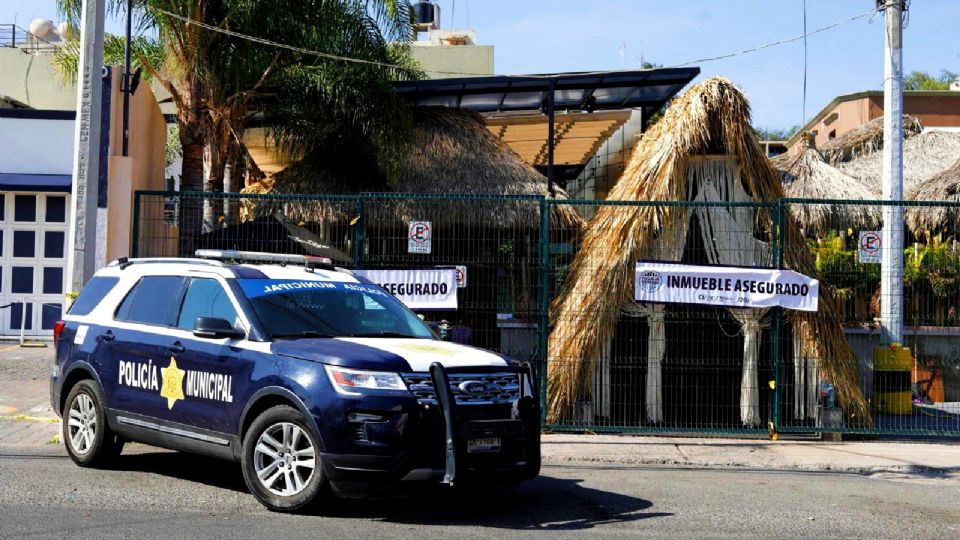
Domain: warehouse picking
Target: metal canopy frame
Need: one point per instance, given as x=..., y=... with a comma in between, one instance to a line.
x=647, y=89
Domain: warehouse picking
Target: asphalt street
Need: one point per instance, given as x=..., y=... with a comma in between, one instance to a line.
x=155, y=493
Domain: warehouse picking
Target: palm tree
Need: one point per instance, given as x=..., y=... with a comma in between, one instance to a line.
x=217, y=80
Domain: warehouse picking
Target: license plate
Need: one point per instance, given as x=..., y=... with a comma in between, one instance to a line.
x=489, y=444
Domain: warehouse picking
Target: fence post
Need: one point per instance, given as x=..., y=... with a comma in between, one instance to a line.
x=779, y=227
x=359, y=233
x=544, y=326
x=135, y=234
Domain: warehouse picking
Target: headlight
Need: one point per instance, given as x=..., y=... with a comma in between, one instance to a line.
x=356, y=382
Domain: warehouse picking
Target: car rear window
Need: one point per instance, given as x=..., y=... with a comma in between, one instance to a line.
x=92, y=294
x=153, y=300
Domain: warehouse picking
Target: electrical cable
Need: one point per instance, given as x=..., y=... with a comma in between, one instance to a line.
x=329, y=56
x=781, y=42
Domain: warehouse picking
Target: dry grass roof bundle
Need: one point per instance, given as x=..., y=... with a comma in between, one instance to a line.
x=712, y=117
x=924, y=155
x=864, y=139
x=452, y=153
x=806, y=175
x=944, y=186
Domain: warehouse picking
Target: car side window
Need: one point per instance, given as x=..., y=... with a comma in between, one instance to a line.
x=92, y=294
x=205, y=298
x=153, y=300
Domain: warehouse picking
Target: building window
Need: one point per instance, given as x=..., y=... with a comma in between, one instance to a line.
x=56, y=209
x=25, y=208
x=50, y=313
x=832, y=134
x=16, y=316
x=52, y=280
x=22, y=280
x=53, y=244
x=24, y=244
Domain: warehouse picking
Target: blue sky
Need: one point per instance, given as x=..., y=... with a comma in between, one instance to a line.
x=538, y=36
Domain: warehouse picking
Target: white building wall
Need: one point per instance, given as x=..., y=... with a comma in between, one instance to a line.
x=36, y=146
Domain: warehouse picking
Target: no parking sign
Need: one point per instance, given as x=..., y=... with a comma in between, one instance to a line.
x=869, y=247
x=419, y=237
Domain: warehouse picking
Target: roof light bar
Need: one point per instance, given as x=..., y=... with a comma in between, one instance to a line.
x=282, y=258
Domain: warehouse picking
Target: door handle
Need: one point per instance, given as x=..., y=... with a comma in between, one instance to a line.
x=107, y=336
x=177, y=348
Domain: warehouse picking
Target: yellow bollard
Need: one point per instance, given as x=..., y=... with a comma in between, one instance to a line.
x=891, y=379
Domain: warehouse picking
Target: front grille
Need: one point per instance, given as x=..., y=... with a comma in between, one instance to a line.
x=500, y=388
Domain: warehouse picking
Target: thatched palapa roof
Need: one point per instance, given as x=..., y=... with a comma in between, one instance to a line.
x=452, y=153
x=924, y=155
x=864, y=139
x=712, y=117
x=806, y=175
x=944, y=186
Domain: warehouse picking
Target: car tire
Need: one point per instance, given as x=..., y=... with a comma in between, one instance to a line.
x=86, y=434
x=281, y=460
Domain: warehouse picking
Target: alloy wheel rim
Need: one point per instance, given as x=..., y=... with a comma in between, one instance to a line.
x=82, y=424
x=284, y=459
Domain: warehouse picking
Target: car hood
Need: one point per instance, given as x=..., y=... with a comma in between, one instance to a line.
x=388, y=354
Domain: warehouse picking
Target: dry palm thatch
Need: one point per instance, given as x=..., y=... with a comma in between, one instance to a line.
x=712, y=117
x=864, y=139
x=944, y=186
x=924, y=155
x=452, y=153
x=805, y=175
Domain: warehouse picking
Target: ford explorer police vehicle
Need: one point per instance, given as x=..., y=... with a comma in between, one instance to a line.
x=305, y=374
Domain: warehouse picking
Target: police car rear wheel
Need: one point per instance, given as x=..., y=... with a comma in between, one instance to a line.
x=280, y=460
x=86, y=434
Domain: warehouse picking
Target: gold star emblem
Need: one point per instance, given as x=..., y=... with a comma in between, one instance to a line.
x=172, y=383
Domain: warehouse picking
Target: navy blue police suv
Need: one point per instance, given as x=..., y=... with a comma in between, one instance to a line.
x=307, y=375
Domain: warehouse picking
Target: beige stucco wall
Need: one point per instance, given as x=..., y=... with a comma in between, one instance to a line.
x=849, y=115
x=443, y=62
x=143, y=169
x=933, y=109
x=30, y=78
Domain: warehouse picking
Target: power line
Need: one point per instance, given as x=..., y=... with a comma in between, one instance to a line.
x=781, y=42
x=329, y=56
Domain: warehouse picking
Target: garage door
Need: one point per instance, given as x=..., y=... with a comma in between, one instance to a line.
x=33, y=241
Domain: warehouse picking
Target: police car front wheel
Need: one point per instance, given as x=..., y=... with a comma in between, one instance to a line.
x=281, y=463
x=88, y=438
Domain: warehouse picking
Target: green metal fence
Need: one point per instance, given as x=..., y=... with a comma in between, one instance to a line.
x=629, y=367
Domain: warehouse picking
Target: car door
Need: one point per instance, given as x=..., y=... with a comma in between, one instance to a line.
x=216, y=373
x=132, y=367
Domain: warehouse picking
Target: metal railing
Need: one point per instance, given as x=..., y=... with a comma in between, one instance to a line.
x=12, y=36
x=531, y=277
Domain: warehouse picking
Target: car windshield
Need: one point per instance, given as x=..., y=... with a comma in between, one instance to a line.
x=299, y=308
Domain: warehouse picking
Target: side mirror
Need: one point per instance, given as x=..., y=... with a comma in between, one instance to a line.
x=215, y=328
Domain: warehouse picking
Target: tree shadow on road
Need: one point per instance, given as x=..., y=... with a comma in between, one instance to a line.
x=545, y=503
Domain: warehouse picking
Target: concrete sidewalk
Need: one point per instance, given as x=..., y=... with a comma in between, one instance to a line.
x=923, y=458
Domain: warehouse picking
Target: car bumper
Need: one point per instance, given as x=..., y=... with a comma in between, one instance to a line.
x=430, y=443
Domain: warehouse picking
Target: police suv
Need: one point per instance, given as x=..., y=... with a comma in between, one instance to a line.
x=307, y=375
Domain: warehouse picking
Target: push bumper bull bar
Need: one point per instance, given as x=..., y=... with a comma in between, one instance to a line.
x=526, y=413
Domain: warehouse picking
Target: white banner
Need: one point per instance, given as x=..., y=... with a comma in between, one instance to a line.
x=662, y=282
x=434, y=288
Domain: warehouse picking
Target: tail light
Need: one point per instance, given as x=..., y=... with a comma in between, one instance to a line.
x=57, y=328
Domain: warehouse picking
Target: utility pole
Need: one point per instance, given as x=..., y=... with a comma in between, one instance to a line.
x=891, y=262
x=81, y=258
